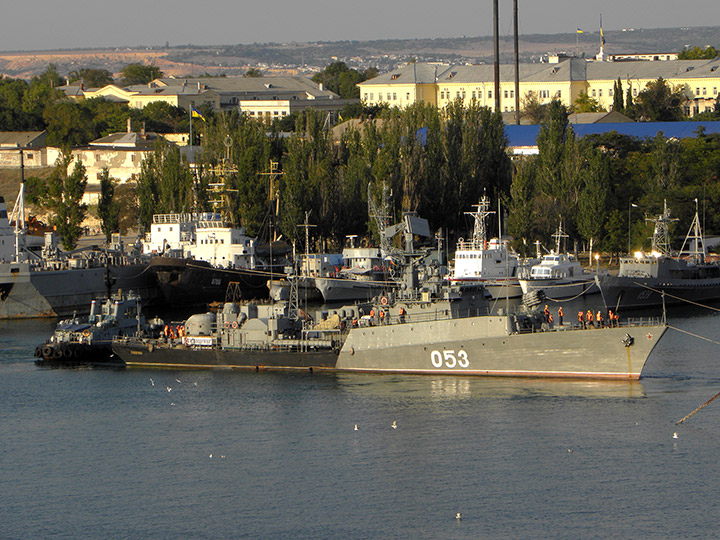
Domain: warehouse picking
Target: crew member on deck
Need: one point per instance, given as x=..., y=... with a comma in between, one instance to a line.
x=560, y=315
x=581, y=319
x=590, y=318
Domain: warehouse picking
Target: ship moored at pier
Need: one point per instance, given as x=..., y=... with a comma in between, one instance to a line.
x=453, y=335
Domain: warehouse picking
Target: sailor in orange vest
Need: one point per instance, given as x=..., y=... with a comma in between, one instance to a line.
x=547, y=313
x=401, y=314
x=560, y=316
x=599, y=319
x=589, y=317
x=611, y=318
x=581, y=319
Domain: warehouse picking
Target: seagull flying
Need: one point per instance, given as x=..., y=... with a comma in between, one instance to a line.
x=394, y=424
x=152, y=382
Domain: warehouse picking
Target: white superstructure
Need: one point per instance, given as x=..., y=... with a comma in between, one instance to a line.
x=203, y=236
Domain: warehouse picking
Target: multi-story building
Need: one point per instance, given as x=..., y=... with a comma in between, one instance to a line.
x=565, y=80
x=265, y=98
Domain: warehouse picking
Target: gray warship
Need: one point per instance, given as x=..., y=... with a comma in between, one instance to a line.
x=41, y=281
x=453, y=334
x=649, y=279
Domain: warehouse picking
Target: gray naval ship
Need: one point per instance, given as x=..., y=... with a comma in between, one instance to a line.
x=41, y=281
x=446, y=334
x=662, y=276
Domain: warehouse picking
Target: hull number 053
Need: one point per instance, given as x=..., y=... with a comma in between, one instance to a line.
x=449, y=359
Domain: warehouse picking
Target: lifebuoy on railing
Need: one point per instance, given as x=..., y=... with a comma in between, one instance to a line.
x=86, y=333
x=234, y=324
x=227, y=324
x=384, y=300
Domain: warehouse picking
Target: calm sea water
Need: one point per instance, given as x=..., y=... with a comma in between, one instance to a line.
x=94, y=453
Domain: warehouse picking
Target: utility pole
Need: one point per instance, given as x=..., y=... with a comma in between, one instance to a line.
x=496, y=36
x=517, y=63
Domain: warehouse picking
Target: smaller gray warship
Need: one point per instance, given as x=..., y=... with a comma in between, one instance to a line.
x=41, y=281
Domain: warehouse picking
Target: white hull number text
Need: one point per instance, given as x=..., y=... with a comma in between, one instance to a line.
x=450, y=359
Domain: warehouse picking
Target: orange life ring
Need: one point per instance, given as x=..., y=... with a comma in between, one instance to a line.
x=384, y=300
x=234, y=324
x=227, y=324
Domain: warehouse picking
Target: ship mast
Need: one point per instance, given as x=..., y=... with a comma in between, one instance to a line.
x=479, y=240
x=695, y=240
x=558, y=236
x=661, y=232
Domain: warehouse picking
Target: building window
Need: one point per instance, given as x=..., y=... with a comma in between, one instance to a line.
x=715, y=91
x=634, y=91
x=697, y=91
x=489, y=94
x=29, y=156
x=457, y=93
x=394, y=96
x=610, y=92
x=365, y=96
x=371, y=96
x=408, y=96
x=593, y=93
x=479, y=95
x=600, y=93
x=473, y=94
x=506, y=95
x=442, y=95
x=704, y=91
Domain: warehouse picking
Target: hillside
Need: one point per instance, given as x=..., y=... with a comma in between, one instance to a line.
x=292, y=58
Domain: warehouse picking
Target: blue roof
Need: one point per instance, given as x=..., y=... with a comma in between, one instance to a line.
x=527, y=135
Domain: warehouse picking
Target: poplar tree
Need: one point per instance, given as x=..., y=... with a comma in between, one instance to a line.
x=618, y=104
x=65, y=194
x=108, y=208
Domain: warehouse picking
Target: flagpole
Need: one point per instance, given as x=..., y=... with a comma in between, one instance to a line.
x=191, y=139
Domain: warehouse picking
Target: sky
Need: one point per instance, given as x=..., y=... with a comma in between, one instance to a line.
x=51, y=24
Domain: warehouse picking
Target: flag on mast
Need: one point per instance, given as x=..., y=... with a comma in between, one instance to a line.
x=579, y=31
x=194, y=113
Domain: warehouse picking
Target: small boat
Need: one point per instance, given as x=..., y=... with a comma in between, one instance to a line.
x=88, y=340
x=559, y=275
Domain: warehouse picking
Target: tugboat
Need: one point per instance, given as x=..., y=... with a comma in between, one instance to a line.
x=88, y=340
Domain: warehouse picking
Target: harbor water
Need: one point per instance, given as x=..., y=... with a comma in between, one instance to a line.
x=156, y=454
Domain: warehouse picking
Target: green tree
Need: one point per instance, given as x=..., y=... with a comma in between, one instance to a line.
x=139, y=74
x=68, y=124
x=533, y=109
x=658, y=102
x=164, y=184
x=253, y=72
x=618, y=104
x=64, y=199
x=91, y=78
x=585, y=103
x=340, y=79
x=108, y=207
x=696, y=53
